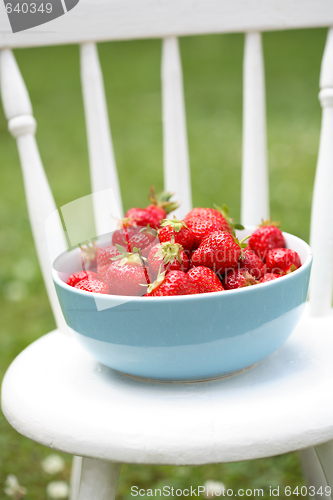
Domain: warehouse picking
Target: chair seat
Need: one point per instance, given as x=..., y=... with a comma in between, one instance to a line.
x=58, y=395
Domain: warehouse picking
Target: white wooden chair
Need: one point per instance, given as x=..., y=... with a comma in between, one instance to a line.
x=284, y=403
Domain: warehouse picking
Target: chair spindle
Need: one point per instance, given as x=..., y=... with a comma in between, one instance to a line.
x=321, y=236
x=255, y=198
x=103, y=170
x=176, y=156
x=41, y=205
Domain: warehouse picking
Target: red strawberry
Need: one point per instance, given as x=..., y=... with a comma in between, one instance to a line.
x=282, y=261
x=168, y=256
x=157, y=212
x=266, y=237
x=174, y=283
x=204, y=213
x=191, y=265
x=141, y=217
x=252, y=263
x=178, y=230
x=219, y=251
x=221, y=215
x=102, y=271
x=79, y=276
x=105, y=259
x=269, y=277
x=144, y=240
x=154, y=213
x=95, y=286
x=201, y=228
x=105, y=255
x=122, y=236
x=126, y=275
x=206, y=279
x=238, y=279
x=161, y=204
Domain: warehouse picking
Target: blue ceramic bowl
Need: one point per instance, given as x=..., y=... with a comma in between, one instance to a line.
x=186, y=338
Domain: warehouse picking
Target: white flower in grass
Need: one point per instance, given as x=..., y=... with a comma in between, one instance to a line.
x=57, y=490
x=13, y=488
x=213, y=488
x=53, y=464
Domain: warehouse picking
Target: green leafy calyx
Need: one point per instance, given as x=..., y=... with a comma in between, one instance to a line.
x=169, y=251
x=176, y=224
x=126, y=222
x=250, y=280
x=242, y=244
x=268, y=222
x=149, y=230
x=224, y=210
x=162, y=200
x=88, y=252
x=128, y=257
x=160, y=278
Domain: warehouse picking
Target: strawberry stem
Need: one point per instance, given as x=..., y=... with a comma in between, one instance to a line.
x=224, y=210
x=162, y=200
x=269, y=222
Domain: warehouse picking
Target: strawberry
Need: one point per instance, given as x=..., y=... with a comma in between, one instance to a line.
x=102, y=271
x=219, y=251
x=282, y=261
x=266, y=237
x=104, y=255
x=269, y=277
x=206, y=279
x=161, y=204
x=206, y=213
x=126, y=275
x=141, y=217
x=154, y=213
x=252, y=263
x=170, y=256
x=92, y=285
x=157, y=212
x=144, y=240
x=238, y=279
x=201, y=228
x=178, y=230
x=174, y=283
x=122, y=236
x=220, y=215
x=79, y=276
x=104, y=260
x=191, y=265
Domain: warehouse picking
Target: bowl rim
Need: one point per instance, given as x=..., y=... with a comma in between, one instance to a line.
x=200, y=296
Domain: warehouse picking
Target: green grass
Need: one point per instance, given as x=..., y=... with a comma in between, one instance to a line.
x=213, y=89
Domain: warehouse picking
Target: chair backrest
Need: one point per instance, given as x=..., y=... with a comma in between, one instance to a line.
x=97, y=20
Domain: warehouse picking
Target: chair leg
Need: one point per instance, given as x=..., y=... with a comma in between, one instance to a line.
x=313, y=471
x=98, y=479
x=325, y=455
x=75, y=478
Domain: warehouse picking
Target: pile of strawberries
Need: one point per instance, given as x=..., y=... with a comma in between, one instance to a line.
x=152, y=256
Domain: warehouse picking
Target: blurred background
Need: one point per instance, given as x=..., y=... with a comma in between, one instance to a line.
x=213, y=93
